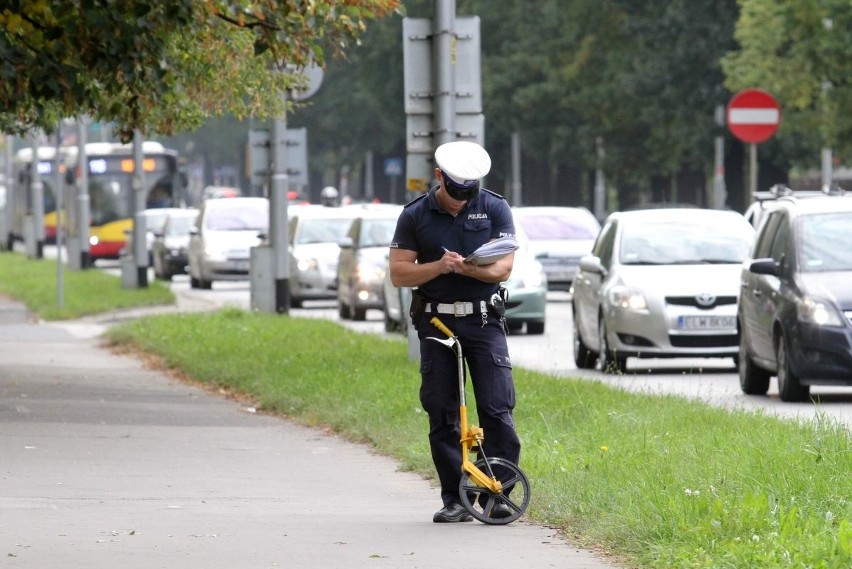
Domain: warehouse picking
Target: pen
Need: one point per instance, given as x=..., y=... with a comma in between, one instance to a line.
x=445, y=249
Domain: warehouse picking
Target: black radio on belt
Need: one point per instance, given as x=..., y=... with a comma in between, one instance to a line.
x=497, y=302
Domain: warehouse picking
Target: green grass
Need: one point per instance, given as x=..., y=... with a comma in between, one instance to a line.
x=660, y=481
x=35, y=283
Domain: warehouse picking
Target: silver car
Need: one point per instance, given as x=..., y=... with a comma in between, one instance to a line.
x=660, y=283
x=220, y=242
x=315, y=232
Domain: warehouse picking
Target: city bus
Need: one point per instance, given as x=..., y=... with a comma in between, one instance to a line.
x=50, y=167
x=110, y=168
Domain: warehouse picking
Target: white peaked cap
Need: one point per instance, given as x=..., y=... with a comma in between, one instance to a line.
x=465, y=162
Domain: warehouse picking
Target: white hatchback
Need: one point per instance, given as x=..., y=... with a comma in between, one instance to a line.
x=220, y=243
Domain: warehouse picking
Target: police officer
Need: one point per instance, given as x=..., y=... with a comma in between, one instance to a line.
x=328, y=196
x=434, y=234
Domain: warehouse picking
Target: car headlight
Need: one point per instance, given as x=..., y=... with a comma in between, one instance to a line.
x=367, y=272
x=214, y=253
x=527, y=276
x=818, y=312
x=305, y=265
x=628, y=298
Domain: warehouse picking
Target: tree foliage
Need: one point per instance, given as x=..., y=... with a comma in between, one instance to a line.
x=642, y=77
x=163, y=66
x=799, y=50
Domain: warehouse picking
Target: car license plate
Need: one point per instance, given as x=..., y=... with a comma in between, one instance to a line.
x=240, y=265
x=706, y=322
x=560, y=276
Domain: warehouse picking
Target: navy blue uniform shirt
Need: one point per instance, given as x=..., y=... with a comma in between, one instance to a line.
x=426, y=228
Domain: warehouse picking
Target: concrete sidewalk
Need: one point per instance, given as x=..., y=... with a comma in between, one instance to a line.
x=105, y=464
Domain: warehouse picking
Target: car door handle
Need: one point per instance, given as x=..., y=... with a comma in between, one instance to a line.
x=757, y=293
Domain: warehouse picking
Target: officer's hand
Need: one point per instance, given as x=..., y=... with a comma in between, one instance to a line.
x=451, y=262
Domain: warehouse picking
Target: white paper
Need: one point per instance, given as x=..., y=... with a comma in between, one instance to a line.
x=493, y=251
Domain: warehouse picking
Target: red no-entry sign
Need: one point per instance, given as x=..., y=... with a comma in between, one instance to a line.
x=753, y=116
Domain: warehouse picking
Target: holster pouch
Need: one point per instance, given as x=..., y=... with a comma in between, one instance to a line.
x=418, y=307
x=497, y=302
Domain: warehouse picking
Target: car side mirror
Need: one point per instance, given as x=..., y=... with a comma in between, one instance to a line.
x=764, y=267
x=345, y=243
x=193, y=230
x=592, y=264
x=70, y=177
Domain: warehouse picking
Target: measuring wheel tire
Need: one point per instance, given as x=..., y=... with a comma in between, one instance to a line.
x=496, y=509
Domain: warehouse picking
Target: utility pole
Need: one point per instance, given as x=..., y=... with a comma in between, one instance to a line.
x=517, y=187
x=600, y=185
x=278, y=157
x=278, y=217
x=719, y=189
x=140, y=250
x=84, y=215
x=34, y=226
x=61, y=219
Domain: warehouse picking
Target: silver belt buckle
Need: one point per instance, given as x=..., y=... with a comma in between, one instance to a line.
x=458, y=309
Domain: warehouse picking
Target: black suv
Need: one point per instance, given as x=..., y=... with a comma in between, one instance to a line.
x=763, y=201
x=795, y=308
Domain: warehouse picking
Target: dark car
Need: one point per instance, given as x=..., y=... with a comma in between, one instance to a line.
x=795, y=309
x=362, y=262
x=169, y=255
x=763, y=201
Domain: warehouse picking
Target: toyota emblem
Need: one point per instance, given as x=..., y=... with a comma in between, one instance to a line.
x=705, y=299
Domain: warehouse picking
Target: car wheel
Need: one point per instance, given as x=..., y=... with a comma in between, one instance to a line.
x=205, y=285
x=583, y=357
x=535, y=327
x=193, y=282
x=611, y=362
x=789, y=386
x=343, y=310
x=359, y=314
x=390, y=325
x=754, y=380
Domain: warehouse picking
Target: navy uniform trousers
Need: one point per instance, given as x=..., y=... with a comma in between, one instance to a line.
x=486, y=354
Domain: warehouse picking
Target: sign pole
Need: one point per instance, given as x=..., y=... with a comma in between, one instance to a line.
x=752, y=168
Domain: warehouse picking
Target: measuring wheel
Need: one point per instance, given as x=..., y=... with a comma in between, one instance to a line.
x=496, y=509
